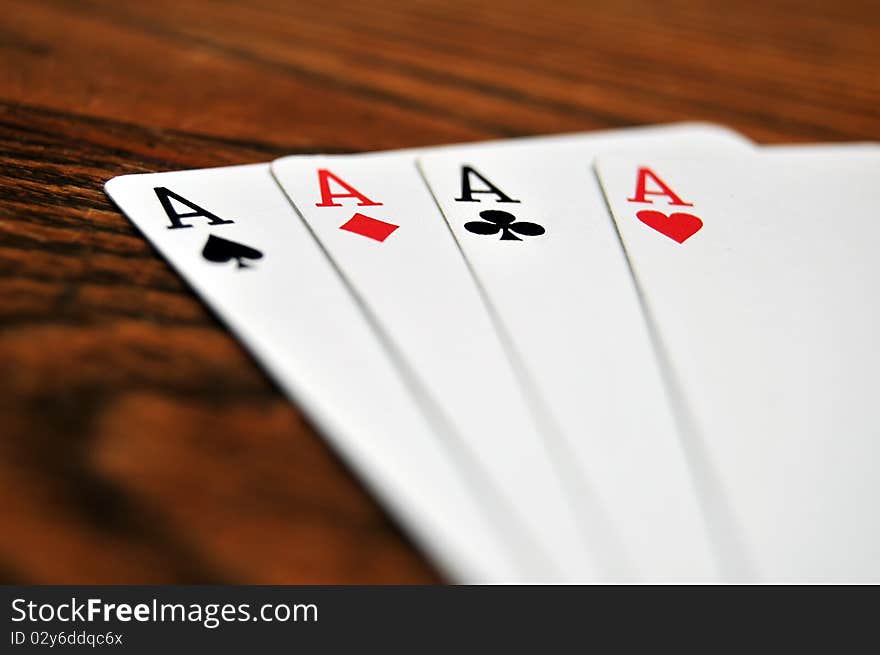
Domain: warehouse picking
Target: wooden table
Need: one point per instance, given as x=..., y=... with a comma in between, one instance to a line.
x=139, y=442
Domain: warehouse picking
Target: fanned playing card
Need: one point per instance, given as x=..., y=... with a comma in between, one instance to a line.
x=532, y=222
x=379, y=224
x=232, y=235
x=759, y=277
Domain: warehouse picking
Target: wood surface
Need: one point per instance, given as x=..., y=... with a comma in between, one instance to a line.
x=138, y=442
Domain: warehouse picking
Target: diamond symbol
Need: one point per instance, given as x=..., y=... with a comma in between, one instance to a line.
x=369, y=227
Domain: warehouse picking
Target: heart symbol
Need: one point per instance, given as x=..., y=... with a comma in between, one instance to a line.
x=677, y=226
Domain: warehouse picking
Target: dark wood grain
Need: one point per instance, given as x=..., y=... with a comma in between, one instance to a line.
x=139, y=442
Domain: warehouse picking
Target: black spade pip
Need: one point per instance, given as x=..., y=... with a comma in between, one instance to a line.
x=221, y=250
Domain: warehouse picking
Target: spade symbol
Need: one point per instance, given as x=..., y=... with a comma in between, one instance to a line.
x=221, y=251
x=495, y=221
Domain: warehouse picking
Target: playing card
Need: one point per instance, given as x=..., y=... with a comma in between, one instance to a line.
x=534, y=227
x=381, y=227
x=233, y=236
x=758, y=274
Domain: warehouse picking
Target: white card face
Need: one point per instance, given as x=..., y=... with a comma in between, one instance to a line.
x=380, y=225
x=759, y=275
x=565, y=297
x=820, y=149
x=237, y=241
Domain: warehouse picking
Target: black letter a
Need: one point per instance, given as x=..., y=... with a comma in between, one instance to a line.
x=467, y=193
x=165, y=196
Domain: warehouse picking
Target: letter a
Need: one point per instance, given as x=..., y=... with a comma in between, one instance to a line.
x=467, y=192
x=165, y=196
x=327, y=196
x=641, y=189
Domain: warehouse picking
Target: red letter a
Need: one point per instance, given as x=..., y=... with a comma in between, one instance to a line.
x=641, y=191
x=327, y=196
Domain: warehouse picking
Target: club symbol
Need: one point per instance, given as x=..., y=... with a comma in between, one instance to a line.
x=495, y=221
